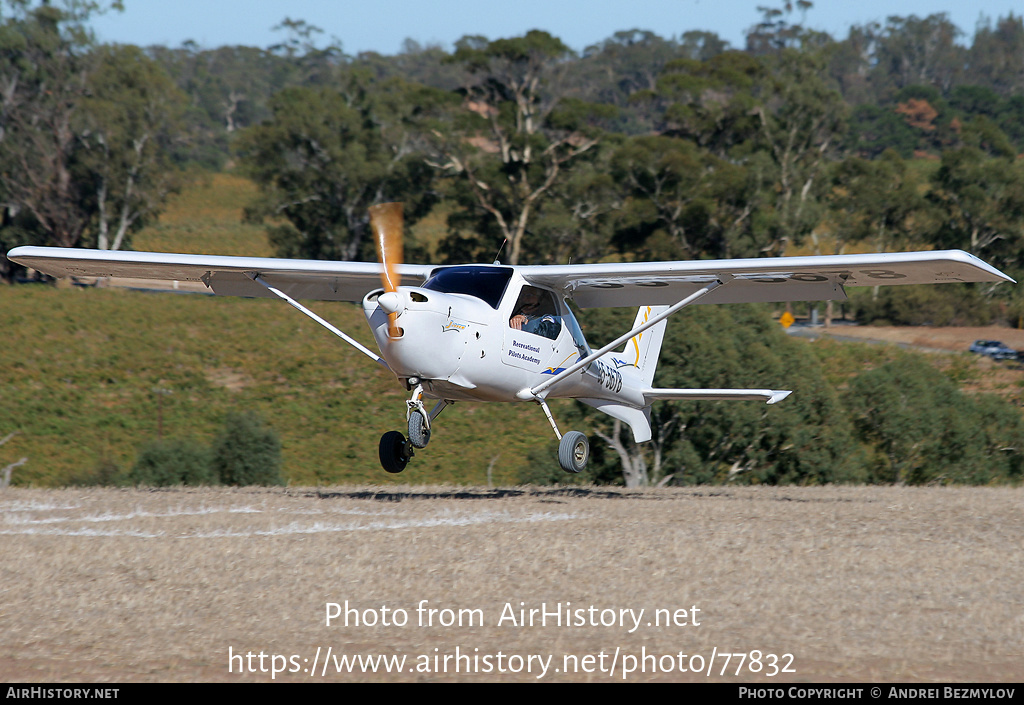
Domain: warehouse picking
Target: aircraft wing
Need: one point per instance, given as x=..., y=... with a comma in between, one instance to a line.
x=300, y=279
x=820, y=278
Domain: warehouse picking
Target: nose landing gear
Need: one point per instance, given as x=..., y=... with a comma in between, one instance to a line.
x=395, y=450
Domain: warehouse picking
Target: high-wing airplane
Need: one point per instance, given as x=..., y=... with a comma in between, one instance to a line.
x=505, y=333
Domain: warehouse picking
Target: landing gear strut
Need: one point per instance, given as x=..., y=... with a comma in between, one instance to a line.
x=419, y=420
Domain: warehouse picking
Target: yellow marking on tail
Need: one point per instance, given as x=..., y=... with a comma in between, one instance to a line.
x=636, y=340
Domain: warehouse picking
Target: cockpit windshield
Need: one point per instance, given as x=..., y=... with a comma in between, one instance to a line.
x=485, y=283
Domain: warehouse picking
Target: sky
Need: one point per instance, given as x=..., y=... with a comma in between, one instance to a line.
x=384, y=25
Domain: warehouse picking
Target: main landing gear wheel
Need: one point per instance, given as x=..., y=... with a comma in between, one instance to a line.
x=419, y=432
x=395, y=452
x=573, y=452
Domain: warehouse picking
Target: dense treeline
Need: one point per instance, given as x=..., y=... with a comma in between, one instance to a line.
x=899, y=136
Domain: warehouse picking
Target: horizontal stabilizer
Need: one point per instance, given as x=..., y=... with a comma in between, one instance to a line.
x=770, y=396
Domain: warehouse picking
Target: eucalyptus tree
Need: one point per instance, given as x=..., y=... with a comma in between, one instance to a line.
x=129, y=121
x=981, y=202
x=44, y=64
x=327, y=154
x=516, y=134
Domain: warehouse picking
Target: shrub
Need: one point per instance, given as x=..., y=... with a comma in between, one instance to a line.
x=175, y=462
x=247, y=452
x=105, y=474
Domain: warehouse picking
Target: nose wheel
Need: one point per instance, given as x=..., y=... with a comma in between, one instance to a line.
x=419, y=429
x=395, y=450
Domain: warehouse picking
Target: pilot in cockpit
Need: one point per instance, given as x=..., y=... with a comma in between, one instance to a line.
x=535, y=313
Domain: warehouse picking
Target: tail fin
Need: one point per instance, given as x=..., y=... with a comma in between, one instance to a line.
x=643, y=349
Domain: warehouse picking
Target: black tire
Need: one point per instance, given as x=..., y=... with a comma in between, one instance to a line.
x=574, y=452
x=419, y=433
x=394, y=453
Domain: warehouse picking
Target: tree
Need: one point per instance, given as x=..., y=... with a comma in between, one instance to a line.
x=174, y=462
x=801, y=119
x=712, y=102
x=923, y=429
x=669, y=205
x=775, y=32
x=874, y=129
x=129, y=119
x=996, y=56
x=43, y=66
x=516, y=134
x=620, y=69
x=981, y=200
x=915, y=51
x=326, y=155
x=875, y=200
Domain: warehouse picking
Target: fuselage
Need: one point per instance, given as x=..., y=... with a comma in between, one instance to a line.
x=482, y=333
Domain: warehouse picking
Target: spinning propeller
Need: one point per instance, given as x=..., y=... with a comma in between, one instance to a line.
x=386, y=222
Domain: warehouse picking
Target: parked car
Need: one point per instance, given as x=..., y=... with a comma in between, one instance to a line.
x=994, y=349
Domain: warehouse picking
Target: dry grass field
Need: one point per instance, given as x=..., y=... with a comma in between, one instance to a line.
x=857, y=583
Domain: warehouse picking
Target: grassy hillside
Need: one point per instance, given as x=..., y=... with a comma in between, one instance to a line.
x=206, y=219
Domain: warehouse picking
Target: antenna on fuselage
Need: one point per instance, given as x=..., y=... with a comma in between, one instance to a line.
x=499, y=251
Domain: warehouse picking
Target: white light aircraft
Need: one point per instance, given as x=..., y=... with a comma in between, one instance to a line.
x=504, y=333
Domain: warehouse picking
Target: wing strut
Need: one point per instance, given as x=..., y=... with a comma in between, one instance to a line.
x=351, y=341
x=651, y=322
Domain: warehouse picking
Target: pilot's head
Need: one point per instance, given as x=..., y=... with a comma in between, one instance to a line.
x=529, y=302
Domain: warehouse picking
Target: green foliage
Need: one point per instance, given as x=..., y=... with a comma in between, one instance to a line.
x=106, y=473
x=713, y=101
x=806, y=439
x=327, y=155
x=670, y=200
x=981, y=201
x=131, y=120
x=874, y=129
x=922, y=429
x=924, y=306
x=173, y=462
x=513, y=141
x=247, y=452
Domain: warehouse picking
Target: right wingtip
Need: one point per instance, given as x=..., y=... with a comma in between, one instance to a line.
x=779, y=395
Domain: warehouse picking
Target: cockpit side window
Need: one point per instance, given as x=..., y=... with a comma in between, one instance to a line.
x=536, y=312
